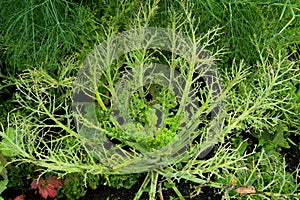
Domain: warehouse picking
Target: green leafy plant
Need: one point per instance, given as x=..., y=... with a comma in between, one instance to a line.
x=75, y=185
x=121, y=181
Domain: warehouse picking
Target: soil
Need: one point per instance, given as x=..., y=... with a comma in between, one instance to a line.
x=292, y=155
x=103, y=193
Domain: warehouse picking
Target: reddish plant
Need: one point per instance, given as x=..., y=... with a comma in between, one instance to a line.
x=47, y=187
x=20, y=197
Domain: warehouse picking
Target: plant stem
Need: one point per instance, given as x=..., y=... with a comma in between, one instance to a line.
x=175, y=189
x=154, y=178
x=143, y=186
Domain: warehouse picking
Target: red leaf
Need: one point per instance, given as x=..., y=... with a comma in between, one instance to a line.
x=51, y=190
x=55, y=181
x=48, y=187
x=43, y=192
x=20, y=197
x=35, y=184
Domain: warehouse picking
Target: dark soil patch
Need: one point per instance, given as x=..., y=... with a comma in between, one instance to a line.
x=10, y=194
x=186, y=189
x=292, y=155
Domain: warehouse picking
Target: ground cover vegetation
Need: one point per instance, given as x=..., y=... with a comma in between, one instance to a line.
x=49, y=149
